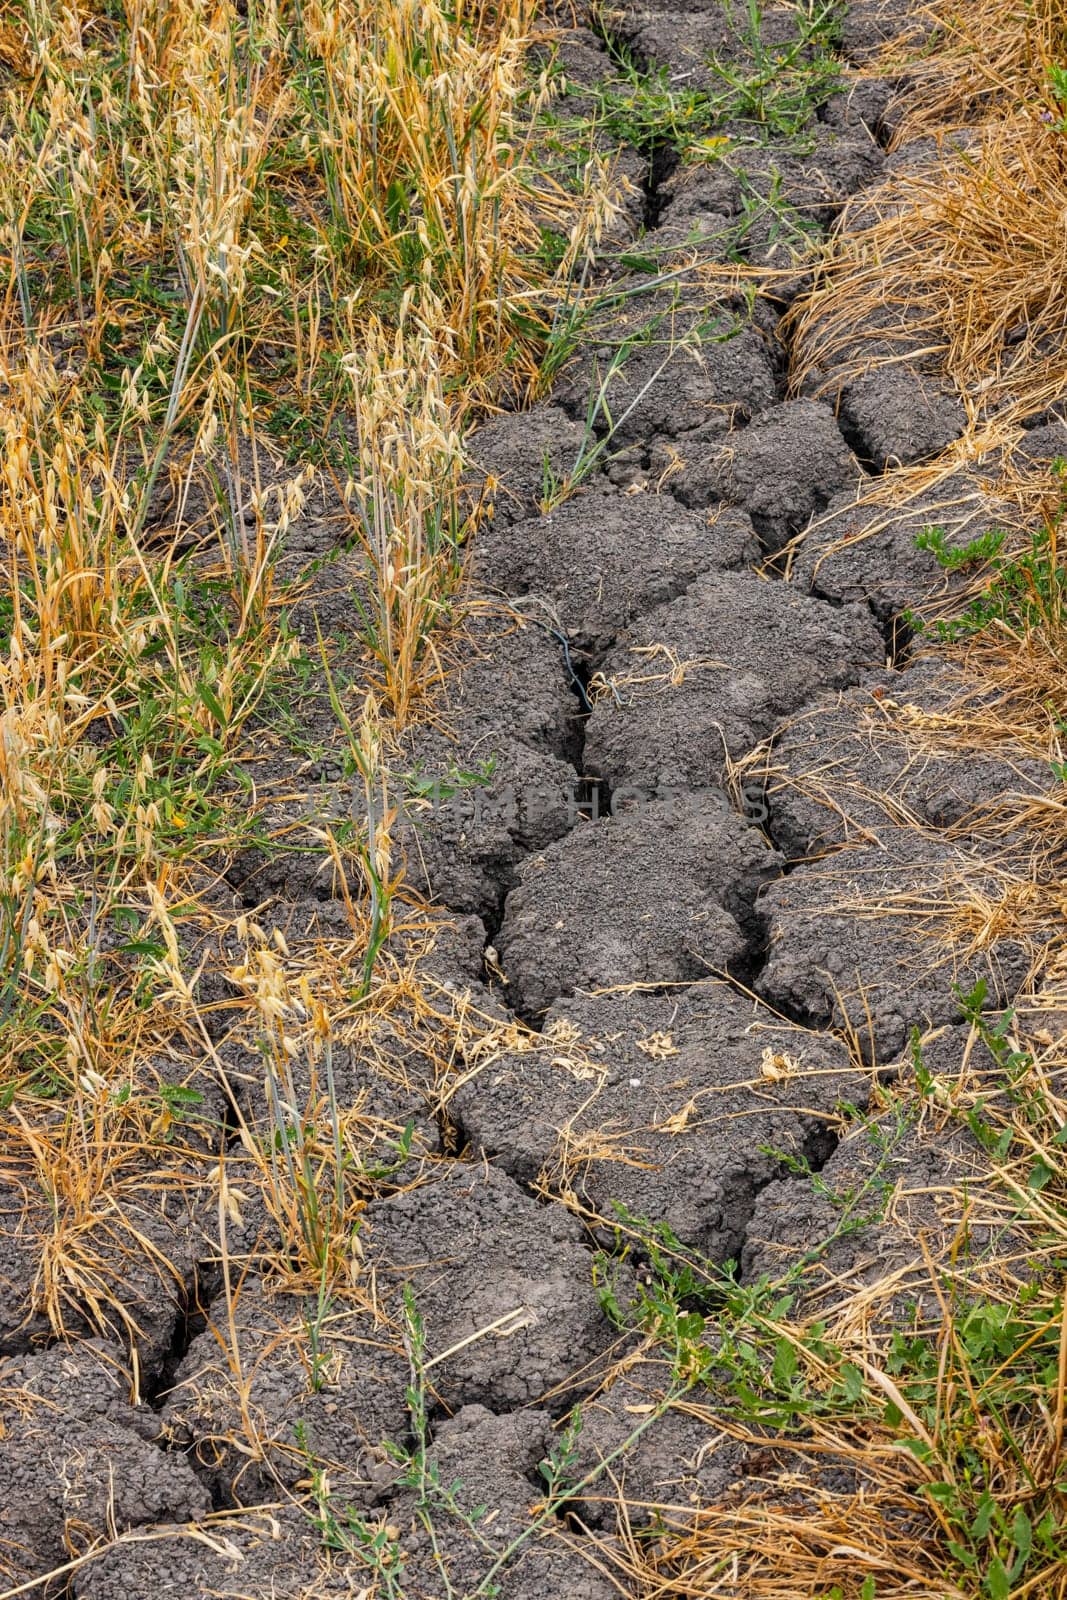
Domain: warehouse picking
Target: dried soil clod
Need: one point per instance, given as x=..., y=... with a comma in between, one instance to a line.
x=123, y=1263
x=864, y=547
x=487, y=774
x=657, y=895
x=700, y=681
x=269, y=1554
x=493, y=1461
x=253, y=1416
x=895, y=417
x=782, y=469
x=79, y=1462
x=669, y=366
x=599, y=562
x=514, y=459
x=504, y=1288
x=873, y=938
x=678, y=1106
x=911, y=748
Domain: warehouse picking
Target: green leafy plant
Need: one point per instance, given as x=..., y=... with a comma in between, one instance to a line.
x=775, y=87
x=643, y=108
x=778, y=86
x=1026, y=593
x=953, y=558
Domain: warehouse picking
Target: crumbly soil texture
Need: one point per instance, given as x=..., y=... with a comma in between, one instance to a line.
x=687, y=869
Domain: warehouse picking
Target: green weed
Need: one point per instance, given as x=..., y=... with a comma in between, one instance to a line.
x=953, y=558
x=774, y=88
x=1026, y=592
x=645, y=110
x=778, y=87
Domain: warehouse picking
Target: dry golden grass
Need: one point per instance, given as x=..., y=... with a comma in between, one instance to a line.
x=407, y=1032
x=964, y=61
x=970, y=247
x=973, y=250
x=219, y=225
